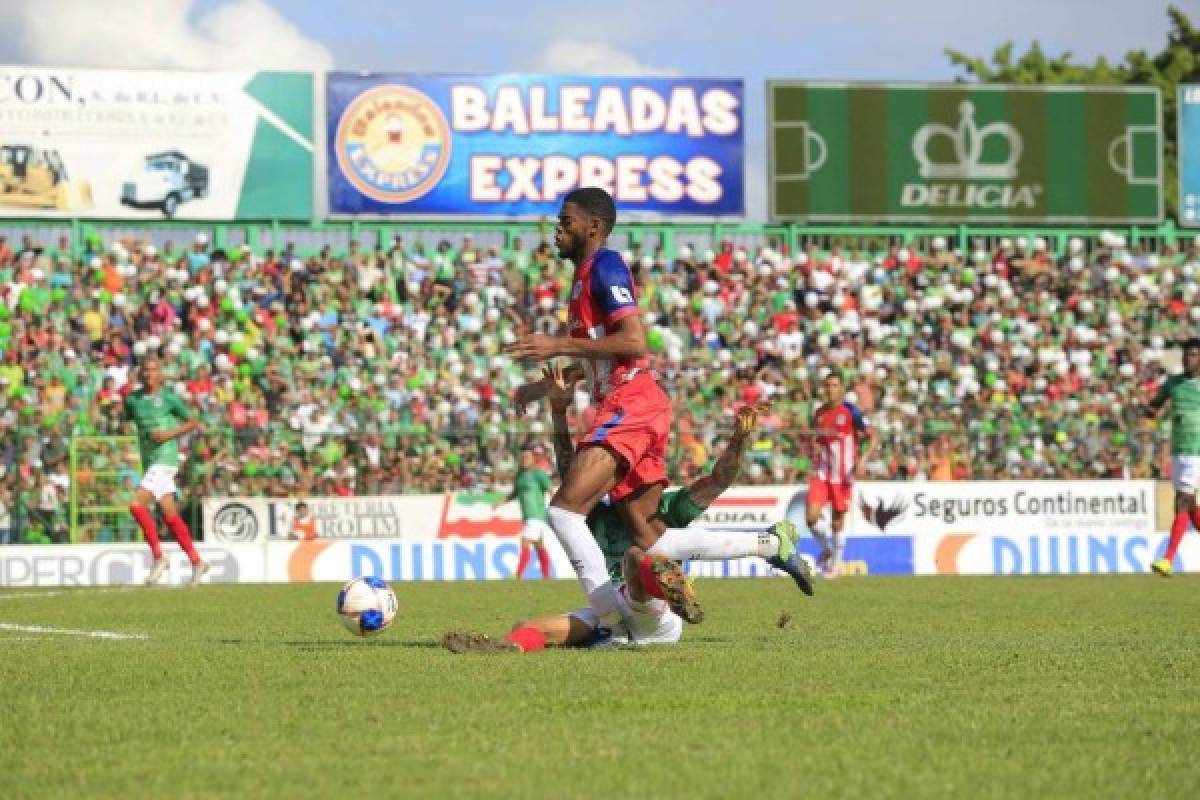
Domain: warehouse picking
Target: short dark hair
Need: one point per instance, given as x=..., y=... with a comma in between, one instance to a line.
x=1191, y=344
x=595, y=202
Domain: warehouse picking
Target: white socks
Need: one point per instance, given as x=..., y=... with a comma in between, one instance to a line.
x=588, y=561
x=708, y=544
x=820, y=531
x=839, y=547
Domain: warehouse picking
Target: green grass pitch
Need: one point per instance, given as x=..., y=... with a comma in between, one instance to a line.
x=920, y=687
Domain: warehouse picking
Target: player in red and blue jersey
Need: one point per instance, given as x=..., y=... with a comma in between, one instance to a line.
x=624, y=454
x=839, y=427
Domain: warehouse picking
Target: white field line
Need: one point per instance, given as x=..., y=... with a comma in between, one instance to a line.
x=8, y=626
x=55, y=593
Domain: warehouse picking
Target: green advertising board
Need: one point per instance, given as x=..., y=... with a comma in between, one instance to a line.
x=959, y=153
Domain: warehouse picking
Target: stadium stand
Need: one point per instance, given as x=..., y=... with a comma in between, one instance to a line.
x=363, y=359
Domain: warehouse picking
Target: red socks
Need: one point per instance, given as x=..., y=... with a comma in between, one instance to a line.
x=649, y=582
x=1178, y=529
x=522, y=560
x=146, y=523
x=180, y=530
x=530, y=640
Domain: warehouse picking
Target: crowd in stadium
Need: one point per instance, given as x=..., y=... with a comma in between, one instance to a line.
x=365, y=372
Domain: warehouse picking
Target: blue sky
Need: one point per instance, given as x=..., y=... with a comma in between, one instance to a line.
x=750, y=39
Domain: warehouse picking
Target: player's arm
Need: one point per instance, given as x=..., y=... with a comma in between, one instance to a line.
x=628, y=340
x=707, y=489
x=613, y=294
x=180, y=410
x=864, y=432
x=532, y=392
x=1159, y=401
x=560, y=389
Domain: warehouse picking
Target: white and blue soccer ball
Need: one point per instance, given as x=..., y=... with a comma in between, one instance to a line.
x=366, y=606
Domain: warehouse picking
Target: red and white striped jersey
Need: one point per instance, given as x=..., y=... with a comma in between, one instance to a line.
x=602, y=294
x=839, y=429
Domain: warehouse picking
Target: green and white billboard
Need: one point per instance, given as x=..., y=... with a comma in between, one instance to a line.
x=142, y=144
x=921, y=153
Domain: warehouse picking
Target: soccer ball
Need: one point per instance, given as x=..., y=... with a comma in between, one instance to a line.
x=366, y=606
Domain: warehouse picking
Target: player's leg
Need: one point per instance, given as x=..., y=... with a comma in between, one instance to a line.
x=142, y=510
x=638, y=497
x=840, y=502
x=776, y=544
x=523, y=556
x=522, y=560
x=182, y=535
x=651, y=620
x=540, y=546
x=576, y=629
x=819, y=496
x=1185, y=475
x=593, y=472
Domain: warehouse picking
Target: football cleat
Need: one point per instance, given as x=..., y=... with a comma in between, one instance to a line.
x=786, y=558
x=797, y=568
x=157, y=571
x=200, y=569
x=1162, y=566
x=677, y=590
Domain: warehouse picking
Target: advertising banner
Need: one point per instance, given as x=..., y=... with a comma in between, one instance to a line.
x=513, y=145
x=928, y=509
x=1065, y=553
x=253, y=519
x=977, y=153
x=124, y=564
x=1189, y=155
x=753, y=508
x=1018, y=527
x=480, y=559
x=140, y=144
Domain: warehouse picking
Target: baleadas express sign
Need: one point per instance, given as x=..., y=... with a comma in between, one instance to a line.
x=899, y=153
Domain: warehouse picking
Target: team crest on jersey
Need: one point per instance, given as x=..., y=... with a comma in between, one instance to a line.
x=393, y=143
x=577, y=290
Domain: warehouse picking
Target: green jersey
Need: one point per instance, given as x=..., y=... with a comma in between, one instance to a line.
x=1184, y=394
x=529, y=490
x=676, y=508
x=156, y=412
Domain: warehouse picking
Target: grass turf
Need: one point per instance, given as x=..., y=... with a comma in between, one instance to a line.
x=979, y=687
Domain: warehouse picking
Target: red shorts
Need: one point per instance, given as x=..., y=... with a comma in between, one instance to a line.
x=634, y=421
x=822, y=492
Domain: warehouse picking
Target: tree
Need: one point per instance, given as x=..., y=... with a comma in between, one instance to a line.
x=1178, y=62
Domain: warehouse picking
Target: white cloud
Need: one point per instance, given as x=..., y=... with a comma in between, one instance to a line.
x=165, y=34
x=576, y=57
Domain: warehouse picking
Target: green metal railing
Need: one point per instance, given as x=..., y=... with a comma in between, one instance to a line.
x=98, y=503
x=651, y=237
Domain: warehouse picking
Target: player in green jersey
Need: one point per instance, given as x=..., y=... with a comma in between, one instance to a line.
x=648, y=619
x=1182, y=392
x=529, y=490
x=161, y=417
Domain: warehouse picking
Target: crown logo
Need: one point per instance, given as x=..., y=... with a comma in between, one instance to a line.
x=968, y=140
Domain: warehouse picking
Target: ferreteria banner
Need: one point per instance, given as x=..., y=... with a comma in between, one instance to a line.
x=136, y=144
x=513, y=145
x=1189, y=155
x=919, y=153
